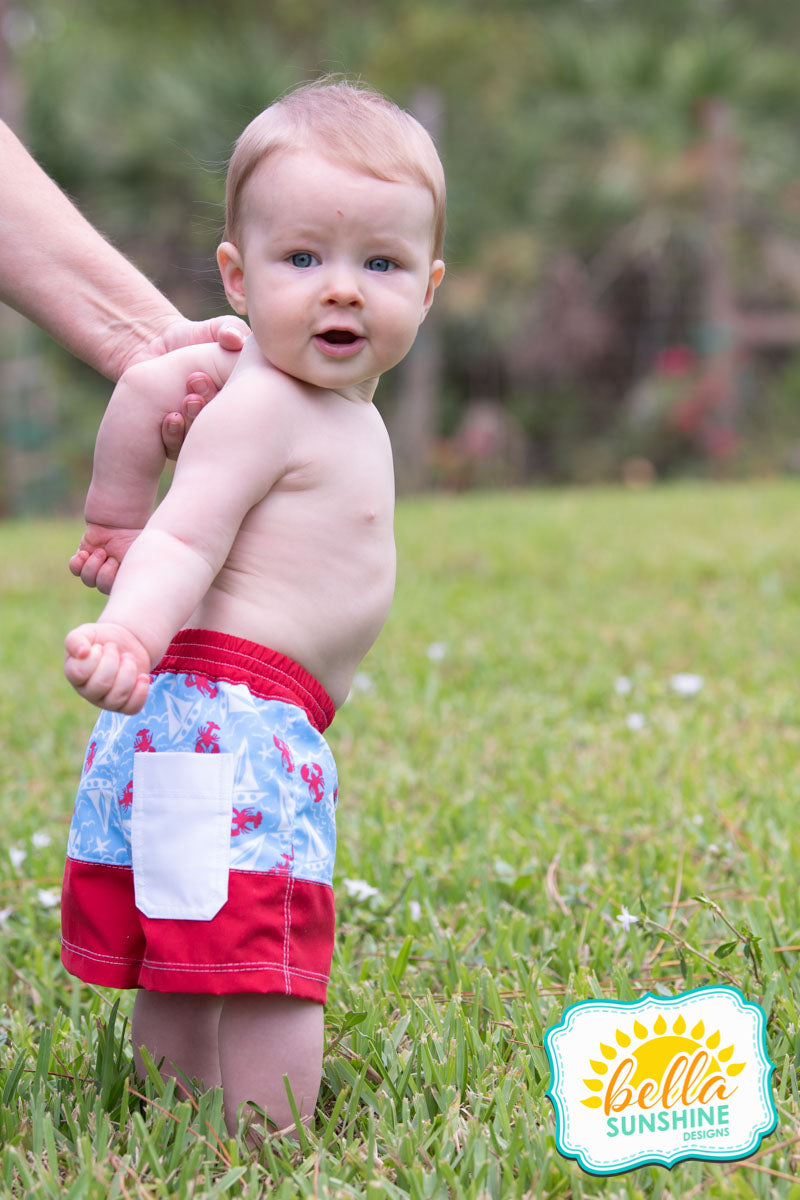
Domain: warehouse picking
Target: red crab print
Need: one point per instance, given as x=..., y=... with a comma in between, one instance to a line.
x=286, y=754
x=126, y=799
x=242, y=818
x=204, y=686
x=90, y=757
x=143, y=742
x=284, y=867
x=316, y=784
x=207, y=739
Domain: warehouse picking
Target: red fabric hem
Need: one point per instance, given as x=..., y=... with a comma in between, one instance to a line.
x=223, y=658
x=214, y=981
x=274, y=934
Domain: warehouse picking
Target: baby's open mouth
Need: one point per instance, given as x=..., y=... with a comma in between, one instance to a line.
x=339, y=337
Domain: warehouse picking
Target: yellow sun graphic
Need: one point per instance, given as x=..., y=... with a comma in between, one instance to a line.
x=654, y=1053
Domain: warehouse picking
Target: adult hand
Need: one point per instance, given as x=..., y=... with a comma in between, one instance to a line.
x=230, y=332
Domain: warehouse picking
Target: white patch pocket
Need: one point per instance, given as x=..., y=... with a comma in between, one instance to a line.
x=181, y=834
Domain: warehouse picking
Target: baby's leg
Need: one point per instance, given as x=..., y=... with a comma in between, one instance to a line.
x=181, y=1028
x=263, y=1038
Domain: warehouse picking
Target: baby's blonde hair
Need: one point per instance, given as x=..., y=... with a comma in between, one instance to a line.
x=348, y=124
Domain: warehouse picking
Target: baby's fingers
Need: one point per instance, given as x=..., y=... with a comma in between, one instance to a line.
x=79, y=641
x=77, y=561
x=138, y=695
x=106, y=576
x=94, y=675
x=81, y=658
x=88, y=565
x=128, y=691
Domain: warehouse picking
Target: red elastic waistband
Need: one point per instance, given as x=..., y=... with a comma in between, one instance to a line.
x=223, y=658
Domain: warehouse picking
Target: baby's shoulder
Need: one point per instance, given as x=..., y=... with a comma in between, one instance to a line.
x=258, y=391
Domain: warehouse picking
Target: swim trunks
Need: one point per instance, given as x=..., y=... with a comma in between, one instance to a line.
x=200, y=854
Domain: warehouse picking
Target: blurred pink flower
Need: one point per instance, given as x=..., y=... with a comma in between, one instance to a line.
x=675, y=360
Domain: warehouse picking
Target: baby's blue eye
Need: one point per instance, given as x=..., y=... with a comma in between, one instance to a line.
x=380, y=264
x=303, y=259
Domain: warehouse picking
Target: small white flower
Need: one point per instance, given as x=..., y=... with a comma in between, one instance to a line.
x=359, y=889
x=437, y=651
x=47, y=899
x=713, y=848
x=414, y=910
x=41, y=839
x=5, y=913
x=361, y=683
x=623, y=685
x=635, y=721
x=626, y=919
x=697, y=819
x=686, y=684
x=17, y=855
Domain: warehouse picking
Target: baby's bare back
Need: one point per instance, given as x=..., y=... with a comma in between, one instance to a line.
x=311, y=571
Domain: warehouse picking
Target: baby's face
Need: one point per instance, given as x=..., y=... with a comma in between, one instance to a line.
x=334, y=269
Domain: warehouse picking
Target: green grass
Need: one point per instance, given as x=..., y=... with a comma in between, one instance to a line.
x=496, y=797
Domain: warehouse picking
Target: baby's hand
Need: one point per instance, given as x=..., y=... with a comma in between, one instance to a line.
x=108, y=666
x=102, y=549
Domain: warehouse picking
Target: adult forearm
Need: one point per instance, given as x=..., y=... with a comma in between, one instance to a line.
x=63, y=275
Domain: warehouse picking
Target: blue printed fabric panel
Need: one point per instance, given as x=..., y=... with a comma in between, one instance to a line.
x=285, y=782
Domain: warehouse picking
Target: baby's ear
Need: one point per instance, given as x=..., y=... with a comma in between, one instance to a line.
x=231, y=268
x=434, y=279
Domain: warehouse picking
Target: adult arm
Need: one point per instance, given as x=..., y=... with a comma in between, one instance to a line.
x=63, y=275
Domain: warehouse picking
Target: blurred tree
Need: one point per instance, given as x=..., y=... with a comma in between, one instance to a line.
x=570, y=135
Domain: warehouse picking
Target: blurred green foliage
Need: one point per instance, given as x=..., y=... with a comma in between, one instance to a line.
x=570, y=135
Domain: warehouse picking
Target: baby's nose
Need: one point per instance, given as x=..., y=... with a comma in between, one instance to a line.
x=342, y=287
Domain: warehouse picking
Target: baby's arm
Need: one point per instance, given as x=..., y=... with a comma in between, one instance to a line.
x=233, y=456
x=129, y=454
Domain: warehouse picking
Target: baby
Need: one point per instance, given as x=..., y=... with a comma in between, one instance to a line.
x=201, y=850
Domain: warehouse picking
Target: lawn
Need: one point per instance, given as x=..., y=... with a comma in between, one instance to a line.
x=518, y=765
